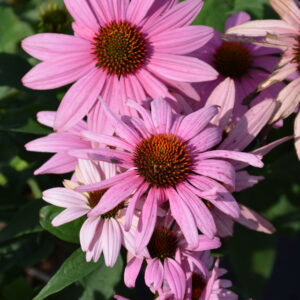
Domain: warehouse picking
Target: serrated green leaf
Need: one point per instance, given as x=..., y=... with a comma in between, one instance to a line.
x=68, y=232
x=73, y=269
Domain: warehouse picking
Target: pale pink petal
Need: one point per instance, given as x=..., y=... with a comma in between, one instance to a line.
x=132, y=204
x=244, y=180
x=58, y=164
x=137, y=10
x=111, y=245
x=262, y=27
x=175, y=277
x=87, y=172
x=59, y=71
x=79, y=99
x=95, y=248
x=82, y=14
x=250, y=219
x=107, y=183
x=116, y=195
x=183, y=217
x=108, y=140
x=83, y=32
x=154, y=273
x=161, y=115
x=181, y=68
x=289, y=99
x=132, y=270
x=63, y=197
x=250, y=159
x=46, y=118
x=182, y=40
x=288, y=10
x=206, y=243
x=237, y=19
x=192, y=258
x=55, y=142
x=147, y=220
x=206, y=139
x=68, y=215
x=192, y=124
x=87, y=232
x=134, y=89
x=249, y=126
x=297, y=134
x=46, y=46
x=180, y=15
x=201, y=213
x=224, y=97
x=219, y=170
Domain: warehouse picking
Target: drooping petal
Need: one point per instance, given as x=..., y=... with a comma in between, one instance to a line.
x=79, y=99
x=154, y=274
x=237, y=19
x=87, y=232
x=244, y=180
x=132, y=270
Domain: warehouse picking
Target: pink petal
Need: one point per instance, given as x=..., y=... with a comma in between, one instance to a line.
x=237, y=19
x=154, y=274
x=87, y=172
x=206, y=243
x=192, y=124
x=147, y=220
x=82, y=14
x=181, y=68
x=224, y=97
x=248, y=158
x=201, y=213
x=183, y=217
x=58, y=164
x=83, y=32
x=134, y=89
x=87, y=232
x=79, y=99
x=132, y=204
x=161, y=115
x=116, y=195
x=297, y=134
x=59, y=71
x=137, y=10
x=254, y=221
x=47, y=46
x=46, y=118
x=223, y=222
x=63, y=197
x=219, y=170
x=244, y=180
x=175, y=277
x=262, y=27
x=249, y=126
x=132, y=270
x=111, y=245
x=180, y=15
x=182, y=40
x=68, y=215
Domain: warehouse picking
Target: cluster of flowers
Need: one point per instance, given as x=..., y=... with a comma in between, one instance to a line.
x=152, y=174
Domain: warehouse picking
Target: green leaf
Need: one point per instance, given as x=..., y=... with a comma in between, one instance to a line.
x=25, y=221
x=68, y=232
x=102, y=281
x=73, y=269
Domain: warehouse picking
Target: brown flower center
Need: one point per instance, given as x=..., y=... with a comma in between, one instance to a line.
x=163, y=243
x=198, y=285
x=120, y=48
x=297, y=53
x=163, y=160
x=232, y=59
x=95, y=197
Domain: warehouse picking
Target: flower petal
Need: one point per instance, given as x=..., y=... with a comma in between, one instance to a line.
x=132, y=270
x=68, y=215
x=137, y=10
x=154, y=274
x=161, y=115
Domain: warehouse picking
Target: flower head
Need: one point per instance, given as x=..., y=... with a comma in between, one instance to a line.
x=119, y=50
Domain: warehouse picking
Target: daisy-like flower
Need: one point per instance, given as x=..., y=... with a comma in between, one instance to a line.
x=244, y=66
x=285, y=35
x=101, y=233
x=120, y=49
x=167, y=158
x=166, y=257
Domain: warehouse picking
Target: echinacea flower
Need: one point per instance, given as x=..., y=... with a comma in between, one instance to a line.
x=167, y=253
x=167, y=158
x=242, y=66
x=101, y=233
x=285, y=35
x=119, y=50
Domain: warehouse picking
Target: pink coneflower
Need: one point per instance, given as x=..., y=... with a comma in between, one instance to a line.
x=167, y=157
x=119, y=50
x=166, y=257
x=101, y=233
x=244, y=66
x=283, y=34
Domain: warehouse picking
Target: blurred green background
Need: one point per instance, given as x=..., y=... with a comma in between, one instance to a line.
x=261, y=266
